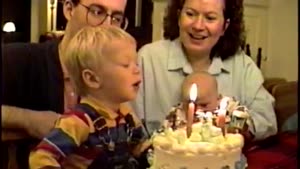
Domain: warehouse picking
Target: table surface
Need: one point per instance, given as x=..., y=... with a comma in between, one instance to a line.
x=278, y=152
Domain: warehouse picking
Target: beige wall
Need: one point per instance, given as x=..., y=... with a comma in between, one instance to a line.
x=283, y=39
x=157, y=19
x=40, y=18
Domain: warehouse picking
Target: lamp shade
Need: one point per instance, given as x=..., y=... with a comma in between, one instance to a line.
x=9, y=27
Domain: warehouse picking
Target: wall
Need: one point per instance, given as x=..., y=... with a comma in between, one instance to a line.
x=256, y=29
x=40, y=18
x=283, y=39
x=157, y=19
x=35, y=24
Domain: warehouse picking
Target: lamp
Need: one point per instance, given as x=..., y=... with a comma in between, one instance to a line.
x=9, y=27
x=8, y=32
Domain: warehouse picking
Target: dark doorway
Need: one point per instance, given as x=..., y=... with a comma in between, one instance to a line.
x=143, y=31
x=60, y=20
x=19, y=13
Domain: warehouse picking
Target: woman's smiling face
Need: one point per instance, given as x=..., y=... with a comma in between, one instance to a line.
x=201, y=24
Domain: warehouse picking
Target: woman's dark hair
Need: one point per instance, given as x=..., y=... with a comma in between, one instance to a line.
x=233, y=37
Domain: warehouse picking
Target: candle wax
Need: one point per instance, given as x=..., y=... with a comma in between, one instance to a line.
x=221, y=123
x=190, y=119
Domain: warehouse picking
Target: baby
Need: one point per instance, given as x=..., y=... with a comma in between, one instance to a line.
x=207, y=97
x=101, y=131
x=207, y=87
x=208, y=104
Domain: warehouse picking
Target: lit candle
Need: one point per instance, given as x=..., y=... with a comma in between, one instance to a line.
x=221, y=119
x=191, y=109
x=208, y=117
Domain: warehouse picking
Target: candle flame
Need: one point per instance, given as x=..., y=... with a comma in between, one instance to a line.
x=193, y=92
x=223, y=103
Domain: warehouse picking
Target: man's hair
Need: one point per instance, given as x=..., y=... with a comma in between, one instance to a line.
x=75, y=2
x=86, y=51
x=229, y=43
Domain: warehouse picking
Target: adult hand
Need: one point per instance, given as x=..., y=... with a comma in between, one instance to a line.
x=36, y=123
x=40, y=123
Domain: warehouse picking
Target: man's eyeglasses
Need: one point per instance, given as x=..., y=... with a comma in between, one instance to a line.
x=96, y=15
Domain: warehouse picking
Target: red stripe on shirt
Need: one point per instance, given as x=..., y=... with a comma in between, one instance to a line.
x=80, y=115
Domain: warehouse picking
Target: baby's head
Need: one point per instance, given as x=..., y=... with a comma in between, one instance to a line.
x=207, y=97
x=102, y=61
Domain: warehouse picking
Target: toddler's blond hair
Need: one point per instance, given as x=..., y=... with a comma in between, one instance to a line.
x=86, y=51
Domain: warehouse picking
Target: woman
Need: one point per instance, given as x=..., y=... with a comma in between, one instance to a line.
x=202, y=35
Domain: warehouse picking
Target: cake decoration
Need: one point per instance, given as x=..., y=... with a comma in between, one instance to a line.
x=208, y=145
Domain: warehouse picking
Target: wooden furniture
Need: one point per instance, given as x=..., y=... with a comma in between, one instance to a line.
x=277, y=152
x=269, y=83
x=286, y=101
x=8, y=155
x=7, y=135
x=8, y=149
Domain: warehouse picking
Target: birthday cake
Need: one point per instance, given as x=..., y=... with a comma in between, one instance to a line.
x=208, y=147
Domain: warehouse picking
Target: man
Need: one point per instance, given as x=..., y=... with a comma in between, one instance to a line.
x=36, y=86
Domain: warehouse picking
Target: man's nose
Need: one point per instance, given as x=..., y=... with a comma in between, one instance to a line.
x=107, y=21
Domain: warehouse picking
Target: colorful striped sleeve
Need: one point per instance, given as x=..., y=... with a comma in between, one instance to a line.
x=70, y=131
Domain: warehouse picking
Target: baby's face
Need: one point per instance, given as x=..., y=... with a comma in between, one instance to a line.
x=207, y=102
x=207, y=97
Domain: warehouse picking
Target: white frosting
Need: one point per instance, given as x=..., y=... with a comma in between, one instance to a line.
x=209, y=140
x=206, y=148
